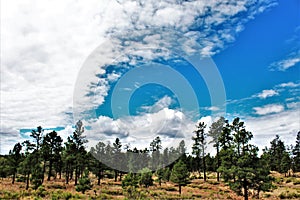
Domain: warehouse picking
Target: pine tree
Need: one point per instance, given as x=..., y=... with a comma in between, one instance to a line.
x=51, y=148
x=180, y=174
x=155, y=147
x=96, y=166
x=117, y=157
x=296, y=154
x=239, y=166
x=215, y=132
x=14, y=160
x=75, y=152
x=200, y=145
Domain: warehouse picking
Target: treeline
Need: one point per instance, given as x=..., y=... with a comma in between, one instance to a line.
x=236, y=162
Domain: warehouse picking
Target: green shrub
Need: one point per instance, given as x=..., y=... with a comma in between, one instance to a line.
x=41, y=191
x=296, y=182
x=145, y=177
x=289, y=195
x=84, y=183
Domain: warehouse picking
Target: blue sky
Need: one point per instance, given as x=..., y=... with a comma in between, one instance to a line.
x=134, y=69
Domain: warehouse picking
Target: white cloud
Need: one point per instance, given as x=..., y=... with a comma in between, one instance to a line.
x=289, y=84
x=45, y=43
x=268, y=109
x=267, y=93
x=212, y=108
x=162, y=103
x=293, y=58
x=264, y=128
x=287, y=63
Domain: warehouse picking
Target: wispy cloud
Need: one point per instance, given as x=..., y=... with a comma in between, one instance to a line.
x=287, y=63
x=268, y=109
x=293, y=58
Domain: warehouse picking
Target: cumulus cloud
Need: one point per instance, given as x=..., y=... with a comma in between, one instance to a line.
x=264, y=128
x=268, y=109
x=182, y=23
x=267, y=93
x=44, y=45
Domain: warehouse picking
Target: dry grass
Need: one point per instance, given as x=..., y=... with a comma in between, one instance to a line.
x=287, y=187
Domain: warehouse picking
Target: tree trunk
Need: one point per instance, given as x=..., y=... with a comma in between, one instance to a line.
x=204, y=165
x=76, y=175
x=116, y=175
x=179, y=188
x=245, y=190
x=60, y=173
x=13, y=178
x=67, y=174
x=120, y=176
x=27, y=181
x=258, y=191
x=99, y=177
x=50, y=170
x=218, y=164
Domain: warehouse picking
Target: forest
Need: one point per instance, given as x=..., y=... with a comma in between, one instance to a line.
x=44, y=167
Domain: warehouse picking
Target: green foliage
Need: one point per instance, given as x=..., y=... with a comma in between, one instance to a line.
x=145, y=177
x=289, y=195
x=41, y=191
x=84, y=183
x=57, y=195
x=180, y=174
x=200, y=145
x=241, y=168
x=4, y=169
x=37, y=176
x=296, y=154
x=129, y=185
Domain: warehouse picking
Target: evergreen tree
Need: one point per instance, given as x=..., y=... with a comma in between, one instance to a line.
x=129, y=185
x=200, y=145
x=155, y=147
x=5, y=169
x=276, y=152
x=239, y=166
x=76, y=150
x=117, y=157
x=51, y=148
x=14, y=160
x=296, y=154
x=180, y=174
x=25, y=166
x=96, y=166
x=215, y=132
x=84, y=183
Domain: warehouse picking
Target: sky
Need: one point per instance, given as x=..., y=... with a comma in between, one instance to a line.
x=141, y=69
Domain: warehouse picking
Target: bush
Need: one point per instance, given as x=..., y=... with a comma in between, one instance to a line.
x=289, y=195
x=296, y=182
x=84, y=183
x=63, y=195
x=41, y=191
x=146, y=177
